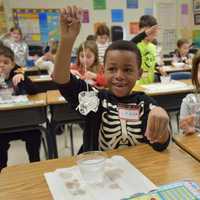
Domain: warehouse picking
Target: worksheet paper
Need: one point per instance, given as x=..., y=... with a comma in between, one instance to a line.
x=166, y=87
x=121, y=180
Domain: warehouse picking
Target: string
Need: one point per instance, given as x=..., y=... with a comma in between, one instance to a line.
x=84, y=64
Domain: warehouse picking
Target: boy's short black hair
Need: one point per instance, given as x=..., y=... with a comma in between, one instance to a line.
x=7, y=52
x=147, y=21
x=123, y=45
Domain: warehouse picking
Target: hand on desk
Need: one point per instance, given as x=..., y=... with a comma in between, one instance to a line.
x=157, y=126
x=188, y=124
x=17, y=79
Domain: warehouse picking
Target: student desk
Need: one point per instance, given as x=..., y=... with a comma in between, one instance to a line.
x=169, y=100
x=61, y=113
x=24, y=116
x=44, y=82
x=26, y=181
x=34, y=71
x=190, y=144
x=170, y=69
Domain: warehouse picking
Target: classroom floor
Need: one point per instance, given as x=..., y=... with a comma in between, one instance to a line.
x=17, y=153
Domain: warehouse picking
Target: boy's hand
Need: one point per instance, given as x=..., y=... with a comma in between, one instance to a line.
x=188, y=124
x=157, y=126
x=152, y=30
x=17, y=79
x=70, y=18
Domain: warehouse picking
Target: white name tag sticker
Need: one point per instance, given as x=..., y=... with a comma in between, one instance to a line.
x=129, y=112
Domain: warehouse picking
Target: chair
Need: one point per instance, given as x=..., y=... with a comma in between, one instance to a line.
x=181, y=75
x=116, y=33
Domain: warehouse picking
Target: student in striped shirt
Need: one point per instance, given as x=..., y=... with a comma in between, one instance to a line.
x=102, y=40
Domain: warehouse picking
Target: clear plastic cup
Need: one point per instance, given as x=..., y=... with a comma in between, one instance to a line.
x=91, y=165
x=195, y=110
x=165, y=79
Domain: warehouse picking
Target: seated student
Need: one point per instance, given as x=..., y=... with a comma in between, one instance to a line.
x=148, y=49
x=103, y=40
x=181, y=54
x=191, y=103
x=15, y=78
x=115, y=117
x=91, y=37
x=16, y=42
x=87, y=66
x=47, y=60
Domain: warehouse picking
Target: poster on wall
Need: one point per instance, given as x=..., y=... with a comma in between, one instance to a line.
x=184, y=9
x=117, y=15
x=28, y=21
x=196, y=37
x=3, y=26
x=53, y=25
x=132, y=4
x=38, y=25
x=99, y=4
x=85, y=16
x=133, y=28
x=148, y=11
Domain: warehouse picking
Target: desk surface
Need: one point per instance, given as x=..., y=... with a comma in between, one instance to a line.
x=40, y=78
x=188, y=88
x=170, y=68
x=26, y=181
x=189, y=143
x=36, y=100
x=54, y=97
x=30, y=69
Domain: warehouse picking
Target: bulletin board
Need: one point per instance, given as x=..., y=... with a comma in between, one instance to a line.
x=37, y=25
x=3, y=28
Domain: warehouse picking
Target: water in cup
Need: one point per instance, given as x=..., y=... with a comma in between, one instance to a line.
x=165, y=79
x=91, y=165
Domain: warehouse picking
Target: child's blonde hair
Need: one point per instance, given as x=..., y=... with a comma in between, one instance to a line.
x=195, y=68
x=92, y=46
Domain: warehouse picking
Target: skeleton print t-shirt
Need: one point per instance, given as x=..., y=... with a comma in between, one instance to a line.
x=118, y=122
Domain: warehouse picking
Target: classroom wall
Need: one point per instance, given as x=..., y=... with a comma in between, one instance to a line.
x=130, y=15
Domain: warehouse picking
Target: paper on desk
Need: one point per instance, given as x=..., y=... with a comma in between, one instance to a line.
x=14, y=99
x=121, y=181
x=163, y=87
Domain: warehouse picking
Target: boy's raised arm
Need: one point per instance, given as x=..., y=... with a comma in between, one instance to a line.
x=69, y=30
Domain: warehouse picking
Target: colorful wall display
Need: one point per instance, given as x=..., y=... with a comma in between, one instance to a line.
x=132, y=4
x=3, y=28
x=38, y=25
x=133, y=27
x=117, y=15
x=99, y=4
x=148, y=11
x=85, y=16
x=196, y=37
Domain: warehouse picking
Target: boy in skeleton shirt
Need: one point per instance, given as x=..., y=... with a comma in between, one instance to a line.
x=119, y=117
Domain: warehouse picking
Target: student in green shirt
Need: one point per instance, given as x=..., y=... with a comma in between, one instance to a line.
x=147, y=49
